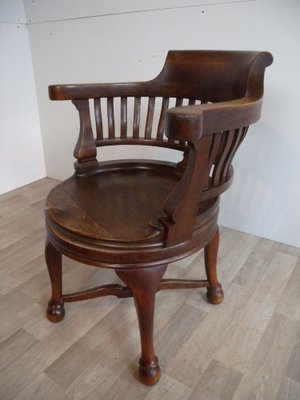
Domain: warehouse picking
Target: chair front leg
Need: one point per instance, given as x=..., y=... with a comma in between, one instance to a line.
x=143, y=284
x=215, y=294
x=55, y=310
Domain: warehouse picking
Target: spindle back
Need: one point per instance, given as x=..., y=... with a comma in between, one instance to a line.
x=136, y=113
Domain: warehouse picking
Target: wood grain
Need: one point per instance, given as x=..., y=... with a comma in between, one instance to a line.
x=218, y=382
x=95, y=347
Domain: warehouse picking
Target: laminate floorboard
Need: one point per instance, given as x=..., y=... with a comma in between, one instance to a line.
x=245, y=348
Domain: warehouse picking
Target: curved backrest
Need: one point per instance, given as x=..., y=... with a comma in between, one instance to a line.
x=135, y=113
x=211, y=76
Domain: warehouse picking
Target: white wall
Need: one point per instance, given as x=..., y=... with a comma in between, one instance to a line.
x=21, y=153
x=96, y=41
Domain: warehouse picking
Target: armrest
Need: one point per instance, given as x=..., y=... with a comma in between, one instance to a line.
x=96, y=90
x=183, y=122
x=196, y=124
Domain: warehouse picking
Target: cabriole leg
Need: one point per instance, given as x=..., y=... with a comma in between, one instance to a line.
x=143, y=284
x=55, y=310
x=215, y=294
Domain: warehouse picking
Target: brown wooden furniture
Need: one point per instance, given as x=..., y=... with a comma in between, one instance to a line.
x=138, y=216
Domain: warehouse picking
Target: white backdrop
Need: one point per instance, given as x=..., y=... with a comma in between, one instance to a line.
x=102, y=41
x=21, y=153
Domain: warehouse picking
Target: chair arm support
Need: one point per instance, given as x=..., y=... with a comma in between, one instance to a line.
x=196, y=124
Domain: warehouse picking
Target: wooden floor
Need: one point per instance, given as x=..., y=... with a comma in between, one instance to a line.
x=245, y=348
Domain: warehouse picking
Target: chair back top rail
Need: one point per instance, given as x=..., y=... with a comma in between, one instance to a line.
x=207, y=74
x=190, y=76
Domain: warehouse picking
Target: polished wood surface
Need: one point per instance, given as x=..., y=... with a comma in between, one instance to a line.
x=138, y=216
x=247, y=347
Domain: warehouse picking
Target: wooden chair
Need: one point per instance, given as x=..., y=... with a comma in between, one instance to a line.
x=138, y=216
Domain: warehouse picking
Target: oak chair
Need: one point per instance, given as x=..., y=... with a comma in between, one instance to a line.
x=138, y=216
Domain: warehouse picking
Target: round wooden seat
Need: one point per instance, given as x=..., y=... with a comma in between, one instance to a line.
x=121, y=205
x=117, y=211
